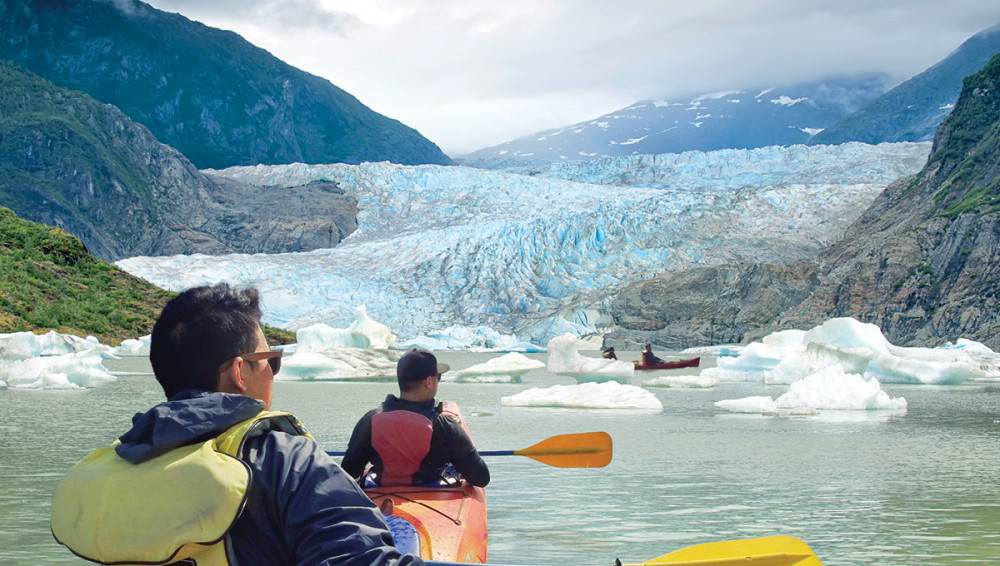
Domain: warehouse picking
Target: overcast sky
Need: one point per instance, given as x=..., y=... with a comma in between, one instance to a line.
x=468, y=74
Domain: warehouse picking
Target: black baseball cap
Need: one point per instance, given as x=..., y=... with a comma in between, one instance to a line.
x=417, y=365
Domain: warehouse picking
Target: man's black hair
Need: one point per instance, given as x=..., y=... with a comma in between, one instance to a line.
x=198, y=331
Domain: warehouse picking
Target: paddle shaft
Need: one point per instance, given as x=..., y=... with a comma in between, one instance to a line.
x=578, y=450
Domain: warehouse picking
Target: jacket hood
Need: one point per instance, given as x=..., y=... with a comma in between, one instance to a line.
x=190, y=416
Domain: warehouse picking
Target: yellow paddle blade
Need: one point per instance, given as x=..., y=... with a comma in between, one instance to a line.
x=765, y=551
x=580, y=450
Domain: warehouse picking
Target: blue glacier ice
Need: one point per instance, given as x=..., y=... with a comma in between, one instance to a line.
x=537, y=253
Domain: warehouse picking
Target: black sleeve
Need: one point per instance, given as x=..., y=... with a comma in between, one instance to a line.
x=464, y=455
x=359, y=448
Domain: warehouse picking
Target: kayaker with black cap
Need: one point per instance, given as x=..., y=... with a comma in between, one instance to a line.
x=412, y=439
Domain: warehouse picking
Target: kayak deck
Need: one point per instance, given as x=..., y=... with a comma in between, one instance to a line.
x=450, y=522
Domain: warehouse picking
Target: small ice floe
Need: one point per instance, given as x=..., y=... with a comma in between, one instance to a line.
x=52, y=361
x=830, y=389
x=566, y=360
x=718, y=350
x=609, y=395
x=133, y=347
x=989, y=361
x=478, y=339
x=338, y=364
x=65, y=371
x=507, y=368
x=325, y=353
x=682, y=382
x=855, y=347
x=20, y=345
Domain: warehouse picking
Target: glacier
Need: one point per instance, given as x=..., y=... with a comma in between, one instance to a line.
x=537, y=253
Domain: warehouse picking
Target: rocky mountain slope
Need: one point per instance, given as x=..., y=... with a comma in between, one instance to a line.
x=67, y=160
x=913, y=110
x=748, y=118
x=923, y=262
x=208, y=93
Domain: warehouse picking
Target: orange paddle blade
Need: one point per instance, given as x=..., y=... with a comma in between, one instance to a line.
x=580, y=450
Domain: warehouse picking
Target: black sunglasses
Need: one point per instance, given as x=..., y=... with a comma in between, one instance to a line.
x=273, y=358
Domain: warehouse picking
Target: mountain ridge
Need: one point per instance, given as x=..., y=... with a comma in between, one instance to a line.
x=75, y=163
x=912, y=111
x=209, y=93
x=745, y=118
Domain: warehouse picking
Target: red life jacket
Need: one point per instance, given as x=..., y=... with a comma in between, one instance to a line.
x=402, y=439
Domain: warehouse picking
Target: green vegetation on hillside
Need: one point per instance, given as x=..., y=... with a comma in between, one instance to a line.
x=972, y=147
x=49, y=281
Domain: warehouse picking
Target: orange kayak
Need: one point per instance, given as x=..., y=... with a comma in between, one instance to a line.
x=444, y=523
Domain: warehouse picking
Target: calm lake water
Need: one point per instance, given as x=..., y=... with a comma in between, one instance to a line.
x=859, y=488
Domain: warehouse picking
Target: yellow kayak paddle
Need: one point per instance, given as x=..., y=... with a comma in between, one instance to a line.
x=765, y=551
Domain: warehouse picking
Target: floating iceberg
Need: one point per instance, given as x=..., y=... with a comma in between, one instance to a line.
x=65, y=371
x=339, y=364
x=362, y=333
x=360, y=351
x=682, y=382
x=52, y=361
x=478, y=339
x=989, y=361
x=565, y=359
x=133, y=347
x=610, y=395
x=853, y=346
x=20, y=345
x=829, y=389
x=507, y=368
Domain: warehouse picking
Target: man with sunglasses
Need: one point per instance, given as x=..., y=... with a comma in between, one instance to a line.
x=411, y=439
x=212, y=475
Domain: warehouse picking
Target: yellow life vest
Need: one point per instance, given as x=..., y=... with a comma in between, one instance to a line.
x=174, y=508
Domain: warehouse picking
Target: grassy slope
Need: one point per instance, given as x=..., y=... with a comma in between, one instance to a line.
x=49, y=281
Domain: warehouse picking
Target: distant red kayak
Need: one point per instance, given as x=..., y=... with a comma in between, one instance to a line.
x=675, y=364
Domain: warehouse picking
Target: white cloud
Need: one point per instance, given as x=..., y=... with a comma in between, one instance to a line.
x=473, y=73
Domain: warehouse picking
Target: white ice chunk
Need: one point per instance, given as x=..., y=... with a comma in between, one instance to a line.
x=828, y=389
x=506, y=368
x=362, y=333
x=855, y=347
x=610, y=395
x=19, y=345
x=66, y=371
x=682, y=381
x=477, y=339
x=339, y=364
x=565, y=359
x=133, y=347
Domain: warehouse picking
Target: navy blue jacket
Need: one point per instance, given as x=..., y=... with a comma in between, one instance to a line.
x=302, y=508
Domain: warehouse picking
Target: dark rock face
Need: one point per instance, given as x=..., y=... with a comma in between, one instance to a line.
x=709, y=305
x=67, y=160
x=923, y=262
x=208, y=93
